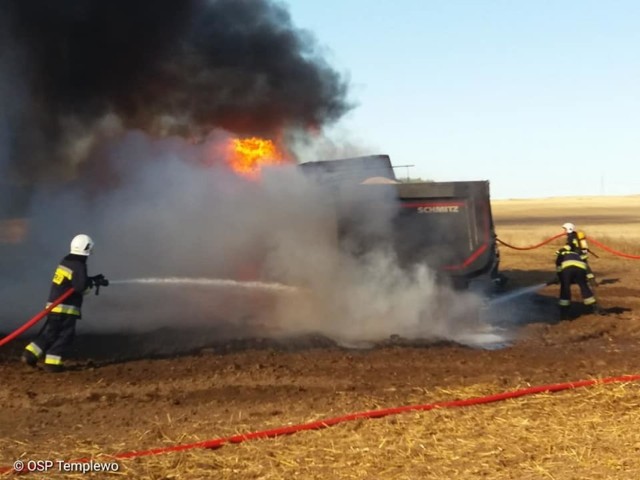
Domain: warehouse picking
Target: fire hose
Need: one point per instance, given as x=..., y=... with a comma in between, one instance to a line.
x=614, y=252
x=590, y=239
x=96, y=281
x=329, y=422
x=548, y=240
x=36, y=318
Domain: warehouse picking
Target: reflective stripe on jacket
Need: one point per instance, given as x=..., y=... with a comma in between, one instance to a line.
x=565, y=258
x=67, y=309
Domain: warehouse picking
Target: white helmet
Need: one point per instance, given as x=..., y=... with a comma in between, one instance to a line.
x=81, y=245
x=569, y=227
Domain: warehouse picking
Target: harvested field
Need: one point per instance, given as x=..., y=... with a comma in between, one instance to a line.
x=110, y=403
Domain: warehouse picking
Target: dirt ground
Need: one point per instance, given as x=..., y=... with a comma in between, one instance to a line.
x=112, y=401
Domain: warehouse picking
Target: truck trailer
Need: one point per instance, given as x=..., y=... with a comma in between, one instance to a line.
x=446, y=225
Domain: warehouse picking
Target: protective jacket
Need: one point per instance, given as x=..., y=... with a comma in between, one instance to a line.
x=577, y=241
x=71, y=273
x=566, y=257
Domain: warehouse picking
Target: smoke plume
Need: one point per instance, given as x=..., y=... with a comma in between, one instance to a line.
x=175, y=216
x=165, y=67
x=113, y=118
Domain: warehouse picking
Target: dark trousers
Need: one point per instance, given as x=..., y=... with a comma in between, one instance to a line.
x=568, y=277
x=57, y=335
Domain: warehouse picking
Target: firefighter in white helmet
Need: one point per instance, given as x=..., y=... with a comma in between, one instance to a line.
x=59, y=330
x=577, y=240
x=571, y=269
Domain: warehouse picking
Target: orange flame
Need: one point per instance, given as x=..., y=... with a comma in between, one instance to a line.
x=247, y=156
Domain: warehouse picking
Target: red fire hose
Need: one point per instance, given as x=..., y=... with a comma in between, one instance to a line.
x=322, y=424
x=37, y=318
x=532, y=246
x=592, y=240
x=611, y=250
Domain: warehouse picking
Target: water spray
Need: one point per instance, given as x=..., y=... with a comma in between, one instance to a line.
x=517, y=293
x=210, y=282
x=495, y=338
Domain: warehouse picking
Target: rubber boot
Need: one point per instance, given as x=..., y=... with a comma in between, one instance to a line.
x=29, y=358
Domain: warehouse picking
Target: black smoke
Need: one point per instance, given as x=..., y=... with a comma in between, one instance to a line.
x=166, y=67
x=106, y=93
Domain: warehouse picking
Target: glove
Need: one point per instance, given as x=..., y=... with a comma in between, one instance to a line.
x=98, y=281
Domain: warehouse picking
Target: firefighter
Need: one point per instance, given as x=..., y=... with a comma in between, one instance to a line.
x=54, y=340
x=577, y=240
x=571, y=269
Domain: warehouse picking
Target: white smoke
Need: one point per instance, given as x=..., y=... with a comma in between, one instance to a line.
x=168, y=213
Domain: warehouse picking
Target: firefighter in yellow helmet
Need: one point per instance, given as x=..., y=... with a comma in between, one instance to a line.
x=571, y=269
x=59, y=330
x=577, y=240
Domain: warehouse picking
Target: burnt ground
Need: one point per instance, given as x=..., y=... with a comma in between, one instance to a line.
x=134, y=392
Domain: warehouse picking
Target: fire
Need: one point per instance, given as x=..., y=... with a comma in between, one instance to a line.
x=247, y=156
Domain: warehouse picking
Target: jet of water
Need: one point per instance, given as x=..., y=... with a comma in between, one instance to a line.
x=516, y=293
x=213, y=282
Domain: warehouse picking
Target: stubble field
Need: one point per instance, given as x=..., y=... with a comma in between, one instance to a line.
x=105, y=406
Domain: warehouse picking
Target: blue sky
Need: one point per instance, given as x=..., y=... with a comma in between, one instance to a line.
x=541, y=98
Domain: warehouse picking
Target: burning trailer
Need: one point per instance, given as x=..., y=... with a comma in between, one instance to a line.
x=446, y=225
